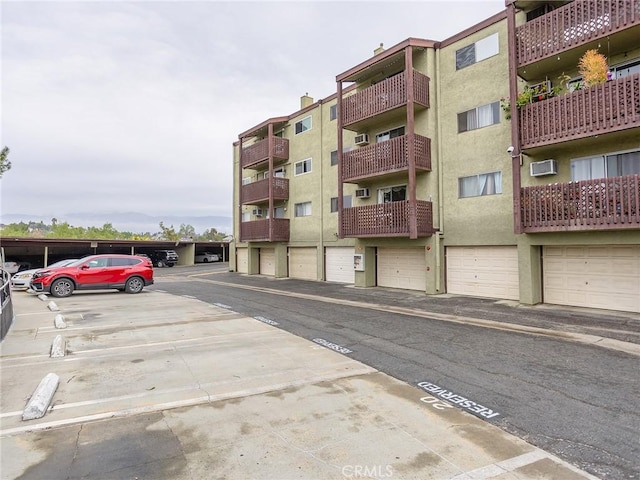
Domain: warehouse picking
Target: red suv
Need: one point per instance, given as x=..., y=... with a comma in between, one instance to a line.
x=127, y=273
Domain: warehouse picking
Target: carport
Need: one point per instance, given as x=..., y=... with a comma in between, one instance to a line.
x=40, y=252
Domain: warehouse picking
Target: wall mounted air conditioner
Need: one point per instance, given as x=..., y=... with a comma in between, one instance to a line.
x=546, y=167
x=257, y=212
x=362, y=193
x=362, y=139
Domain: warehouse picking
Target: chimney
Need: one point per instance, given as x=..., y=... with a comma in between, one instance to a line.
x=378, y=50
x=305, y=100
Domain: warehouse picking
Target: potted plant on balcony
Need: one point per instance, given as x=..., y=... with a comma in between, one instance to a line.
x=594, y=68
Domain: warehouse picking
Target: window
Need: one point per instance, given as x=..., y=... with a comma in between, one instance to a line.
x=123, y=262
x=278, y=212
x=278, y=172
x=396, y=132
x=480, y=185
x=346, y=203
x=476, y=52
x=334, y=157
x=392, y=194
x=624, y=70
x=246, y=217
x=303, y=209
x=603, y=166
x=303, y=166
x=479, y=117
x=98, y=263
x=303, y=125
x=246, y=180
x=333, y=112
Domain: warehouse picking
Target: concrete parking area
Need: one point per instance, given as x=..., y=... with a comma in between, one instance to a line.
x=163, y=386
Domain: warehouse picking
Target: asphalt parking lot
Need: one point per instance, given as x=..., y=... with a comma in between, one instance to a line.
x=165, y=386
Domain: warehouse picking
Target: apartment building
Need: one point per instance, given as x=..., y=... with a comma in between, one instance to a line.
x=427, y=170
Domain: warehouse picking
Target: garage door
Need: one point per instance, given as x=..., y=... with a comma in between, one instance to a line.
x=339, y=264
x=404, y=268
x=593, y=276
x=242, y=260
x=483, y=271
x=268, y=261
x=303, y=263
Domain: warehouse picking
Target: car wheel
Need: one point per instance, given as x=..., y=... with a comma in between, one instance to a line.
x=205, y=261
x=171, y=264
x=134, y=285
x=160, y=263
x=63, y=287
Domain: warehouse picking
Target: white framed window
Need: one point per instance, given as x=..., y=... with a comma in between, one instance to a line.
x=388, y=135
x=626, y=69
x=303, y=125
x=303, y=166
x=346, y=203
x=333, y=112
x=616, y=164
x=397, y=193
x=277, y=172
x=278, y=212
x=479, y=117
x=476, y=52
x=480, y=185
x=303, y=209
x=246, y=180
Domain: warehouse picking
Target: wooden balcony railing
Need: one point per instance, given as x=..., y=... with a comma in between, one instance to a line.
x=259, y=152
x=572, y=25
x=602, y=204
x=384, y=157
x=259, y=230
x=386, y=220
x=386, y=95
x=258, y=192
x=612, y=106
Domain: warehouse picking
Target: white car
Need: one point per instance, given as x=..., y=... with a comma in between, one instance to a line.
x=23, y=279
x=11, y=267
x=206, y=257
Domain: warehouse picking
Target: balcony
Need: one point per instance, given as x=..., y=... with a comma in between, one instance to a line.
x=602, y=204
x=385, y=157
x=387, y=220
x=258, y=153
x=258, y=192
x=573, y=25
x=384, y=96
x=266, y=230
x=606, y=108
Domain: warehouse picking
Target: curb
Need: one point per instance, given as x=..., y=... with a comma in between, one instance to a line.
x=41, y=398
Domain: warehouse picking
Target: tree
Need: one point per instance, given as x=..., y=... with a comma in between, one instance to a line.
x=4, y=163
x=187, y=231
x=169, y=233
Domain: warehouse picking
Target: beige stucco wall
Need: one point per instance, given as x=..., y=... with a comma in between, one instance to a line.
x=483, y=220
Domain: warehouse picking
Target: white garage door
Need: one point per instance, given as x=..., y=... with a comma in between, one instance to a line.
x=483, y=272
x=242, y=260
x=339, y=264
x=404, y=268
x=303, y=263
x=593, y=276
x=268, y=261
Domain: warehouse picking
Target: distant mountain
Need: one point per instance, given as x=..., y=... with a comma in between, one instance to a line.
x=127, y=221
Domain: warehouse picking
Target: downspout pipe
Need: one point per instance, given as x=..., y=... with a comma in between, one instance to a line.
x=516, y=154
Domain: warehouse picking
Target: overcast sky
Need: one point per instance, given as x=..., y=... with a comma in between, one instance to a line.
x=120, y=106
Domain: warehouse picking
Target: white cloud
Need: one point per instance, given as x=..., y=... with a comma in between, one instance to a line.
x=112, y=106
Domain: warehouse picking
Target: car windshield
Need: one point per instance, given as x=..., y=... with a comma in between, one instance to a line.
x=72, y=263
x=63, y=263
